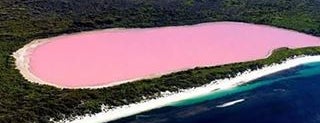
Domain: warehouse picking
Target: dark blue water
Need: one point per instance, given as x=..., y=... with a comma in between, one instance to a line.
x=291, y=96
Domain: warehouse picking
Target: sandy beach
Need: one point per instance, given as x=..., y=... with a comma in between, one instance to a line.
x=124, y=111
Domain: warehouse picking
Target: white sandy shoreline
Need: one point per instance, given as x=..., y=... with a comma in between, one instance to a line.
x=167, y=98
x=22, y=62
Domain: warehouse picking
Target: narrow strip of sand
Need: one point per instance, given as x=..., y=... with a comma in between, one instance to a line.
x=167, y=98
x=22, y=61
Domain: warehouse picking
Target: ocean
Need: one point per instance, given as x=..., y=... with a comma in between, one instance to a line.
x=290, y=96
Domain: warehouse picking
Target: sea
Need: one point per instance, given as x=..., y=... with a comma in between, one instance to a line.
x=289, y=96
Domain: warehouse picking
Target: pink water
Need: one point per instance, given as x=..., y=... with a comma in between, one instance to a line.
x=109, y=56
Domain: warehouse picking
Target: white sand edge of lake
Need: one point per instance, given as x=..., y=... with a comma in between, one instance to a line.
x=22, y=63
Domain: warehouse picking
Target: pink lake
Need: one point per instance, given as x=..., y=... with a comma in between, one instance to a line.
x=107, y=57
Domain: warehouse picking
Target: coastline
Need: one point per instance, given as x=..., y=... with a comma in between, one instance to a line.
x=167, y=97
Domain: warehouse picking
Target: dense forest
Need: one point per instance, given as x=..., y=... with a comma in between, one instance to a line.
x=21, y=21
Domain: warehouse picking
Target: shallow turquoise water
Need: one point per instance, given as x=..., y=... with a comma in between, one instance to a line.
x=249, y=86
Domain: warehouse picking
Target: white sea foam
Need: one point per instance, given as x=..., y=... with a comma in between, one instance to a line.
x=127, y=110
x=230, y=103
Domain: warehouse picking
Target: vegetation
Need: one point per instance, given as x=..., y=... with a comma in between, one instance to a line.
x=24, y=20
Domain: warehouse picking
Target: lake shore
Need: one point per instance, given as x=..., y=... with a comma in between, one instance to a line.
x=167, y=97
x=22, y=62
x=141, y=65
